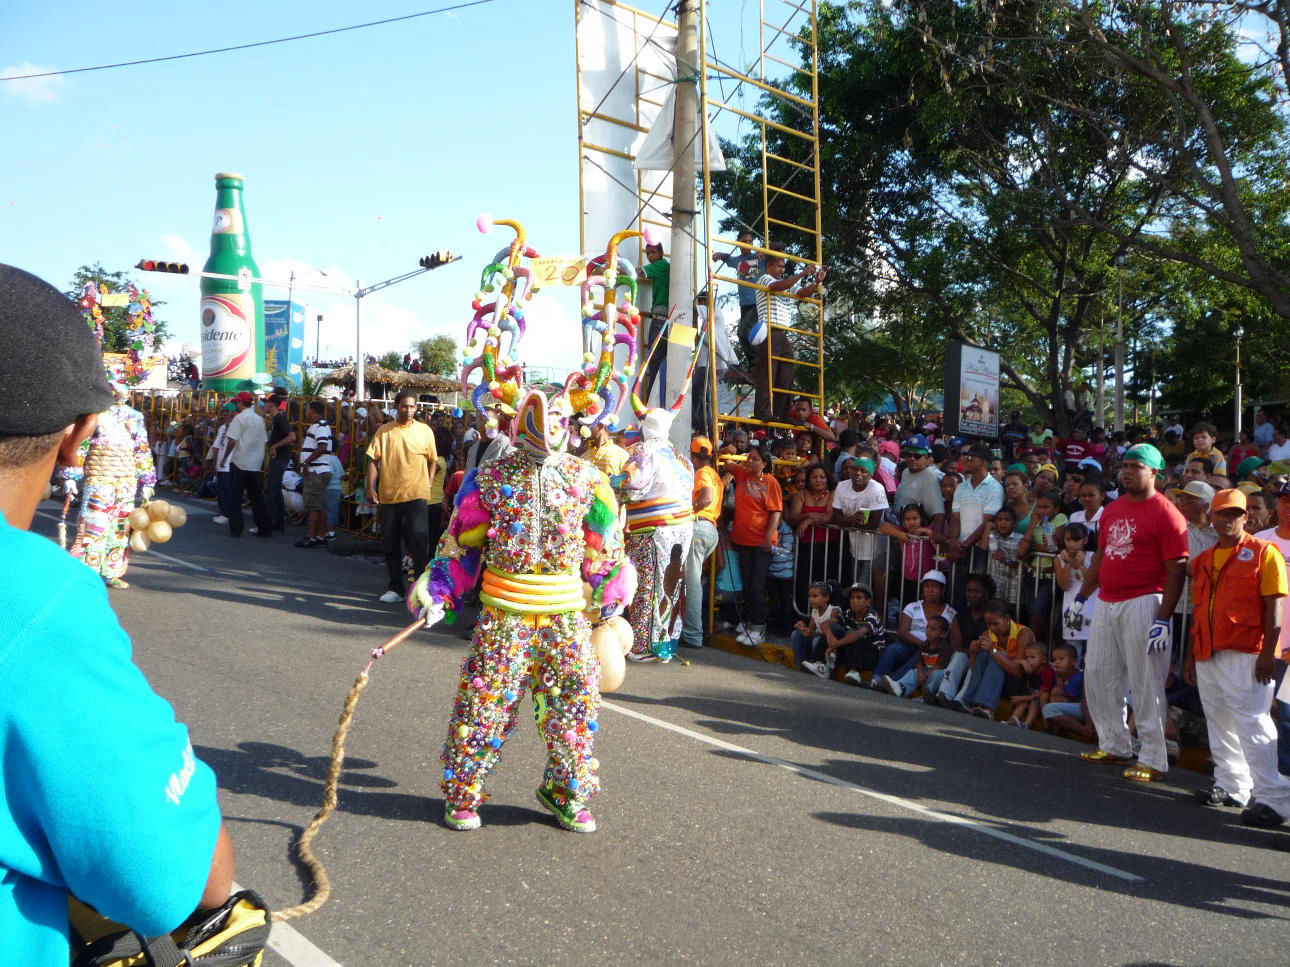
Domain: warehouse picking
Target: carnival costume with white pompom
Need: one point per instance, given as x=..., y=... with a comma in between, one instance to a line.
x=539, y=522
x=658, y=488
x=114, y=466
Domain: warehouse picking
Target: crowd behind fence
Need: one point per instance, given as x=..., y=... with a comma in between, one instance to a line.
x=182, y=427
x=895, y=585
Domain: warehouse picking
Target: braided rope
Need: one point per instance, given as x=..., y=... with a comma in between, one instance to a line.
x=304, y=845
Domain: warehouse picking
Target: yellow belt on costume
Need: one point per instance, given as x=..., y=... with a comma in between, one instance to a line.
x=659, y=512
x=532, y=593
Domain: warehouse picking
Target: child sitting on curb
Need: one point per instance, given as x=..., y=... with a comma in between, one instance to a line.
x=858, y=635
x=1066, y=708
x=1033, y=690
x=929, y=668
x=809, y=645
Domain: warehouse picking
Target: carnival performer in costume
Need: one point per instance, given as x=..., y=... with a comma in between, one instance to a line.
x=113, y=470
x=658, y=486
x=540, y=523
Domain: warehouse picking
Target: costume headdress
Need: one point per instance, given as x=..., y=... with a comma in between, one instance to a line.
x=656, y=421
x=512, y=280
x=133, y=366
x=597, y=390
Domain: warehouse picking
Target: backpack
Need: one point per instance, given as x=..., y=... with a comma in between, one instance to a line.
x=232, y=936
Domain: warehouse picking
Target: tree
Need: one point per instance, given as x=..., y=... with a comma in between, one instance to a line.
x=969, y=193
x=438, y=355
x=391, y=360
x=1218, y=148
x=114, y=317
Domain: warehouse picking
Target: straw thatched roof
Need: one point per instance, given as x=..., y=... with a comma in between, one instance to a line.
x=395, y=379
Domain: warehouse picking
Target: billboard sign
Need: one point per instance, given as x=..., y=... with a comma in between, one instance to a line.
x=971, y=391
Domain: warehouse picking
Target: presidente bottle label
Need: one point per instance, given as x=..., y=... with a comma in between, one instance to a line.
x=228, y=336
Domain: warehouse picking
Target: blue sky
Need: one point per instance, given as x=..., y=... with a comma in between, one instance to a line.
x=362, y=151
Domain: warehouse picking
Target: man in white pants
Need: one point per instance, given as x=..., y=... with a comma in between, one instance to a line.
x=1138, y=570
x=1237, y=587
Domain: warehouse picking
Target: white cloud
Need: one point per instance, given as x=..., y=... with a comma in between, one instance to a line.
x=177, y=248
x=35, y=90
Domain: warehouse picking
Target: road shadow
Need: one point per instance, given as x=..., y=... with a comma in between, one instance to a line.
x=1180, y=883
x=1012, y=780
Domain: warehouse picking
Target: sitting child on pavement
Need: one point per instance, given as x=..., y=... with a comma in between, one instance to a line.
x=857, y=636
x=1066, y=708
x=809, y=645
x=929, y=668
x=1034, y=687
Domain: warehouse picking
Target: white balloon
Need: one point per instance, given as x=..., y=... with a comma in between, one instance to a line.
x=158, y=509
x=159, y=532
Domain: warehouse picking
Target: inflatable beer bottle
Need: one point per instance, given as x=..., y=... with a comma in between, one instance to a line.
x=232, y=317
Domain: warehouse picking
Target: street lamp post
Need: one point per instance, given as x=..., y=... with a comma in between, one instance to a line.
x=1119, y=341
x=1238, y=332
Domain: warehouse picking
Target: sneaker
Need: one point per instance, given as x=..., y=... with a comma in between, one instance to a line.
x=890, y=686
x=831, y=661
x=575, y=819
x=810, y=666
x=1217, y=796
x=460, y=818
x=929, y=697
x=854, y=678
x=330, y=536
x=981, y=712
x=308, y=542
x=1261, y=815
x=1171, y=752
x=221, y=519
x=647, y=659
x=820, y=669
x=390, y=597
x=754, y=637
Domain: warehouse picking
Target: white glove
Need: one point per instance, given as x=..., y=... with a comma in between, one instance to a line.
x=423, y=603
x=1075, y=616
x=1158, y=638
x=69, y=488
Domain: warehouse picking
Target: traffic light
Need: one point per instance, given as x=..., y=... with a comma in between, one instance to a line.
x=436, y=259
x=151, y=265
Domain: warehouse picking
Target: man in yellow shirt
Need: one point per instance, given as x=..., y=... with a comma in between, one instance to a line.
x=604, y=454
x=708, y=494
x=402, y=453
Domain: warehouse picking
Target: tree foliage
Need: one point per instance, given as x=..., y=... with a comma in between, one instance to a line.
x=438, y=355
x=114, y=317
x=986, y=166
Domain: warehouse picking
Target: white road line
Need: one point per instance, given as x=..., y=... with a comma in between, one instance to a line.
x=292, y=946
x=153, y=551
x=980, y=827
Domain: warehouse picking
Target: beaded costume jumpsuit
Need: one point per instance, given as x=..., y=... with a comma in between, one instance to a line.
x=539, y=525
x=115, y=466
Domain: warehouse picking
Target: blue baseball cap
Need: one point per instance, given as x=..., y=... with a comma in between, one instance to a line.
x=916, y=441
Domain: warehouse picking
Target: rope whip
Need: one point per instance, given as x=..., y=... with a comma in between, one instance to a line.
x=303, y=846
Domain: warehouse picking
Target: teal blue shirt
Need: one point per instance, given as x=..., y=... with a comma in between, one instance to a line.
x=100, y=793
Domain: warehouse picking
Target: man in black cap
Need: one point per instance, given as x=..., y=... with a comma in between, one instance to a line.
x=110, y=804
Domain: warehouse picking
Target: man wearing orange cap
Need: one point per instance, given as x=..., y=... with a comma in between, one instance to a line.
x=1237, y=587
x=708, y=493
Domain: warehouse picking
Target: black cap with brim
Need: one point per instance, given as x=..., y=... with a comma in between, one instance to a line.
x=51, y=365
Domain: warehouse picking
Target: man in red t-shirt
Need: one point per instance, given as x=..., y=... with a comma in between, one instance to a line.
x=1139, y=570
x=1075, y=448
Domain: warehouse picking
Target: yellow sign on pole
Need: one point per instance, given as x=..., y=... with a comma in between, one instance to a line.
x=558, y=270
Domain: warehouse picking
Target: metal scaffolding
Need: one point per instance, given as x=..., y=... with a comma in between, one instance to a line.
x=621, y=89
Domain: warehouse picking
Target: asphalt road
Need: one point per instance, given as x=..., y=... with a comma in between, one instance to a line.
x=749, y=813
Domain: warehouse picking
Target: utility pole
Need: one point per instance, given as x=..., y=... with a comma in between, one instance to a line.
x=1101, y=370
x=685, y=130
x=1119, y=341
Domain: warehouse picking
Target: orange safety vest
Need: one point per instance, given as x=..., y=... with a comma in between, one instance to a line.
x=1228, y=606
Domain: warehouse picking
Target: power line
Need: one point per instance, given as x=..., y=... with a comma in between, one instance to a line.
x=262, y=43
